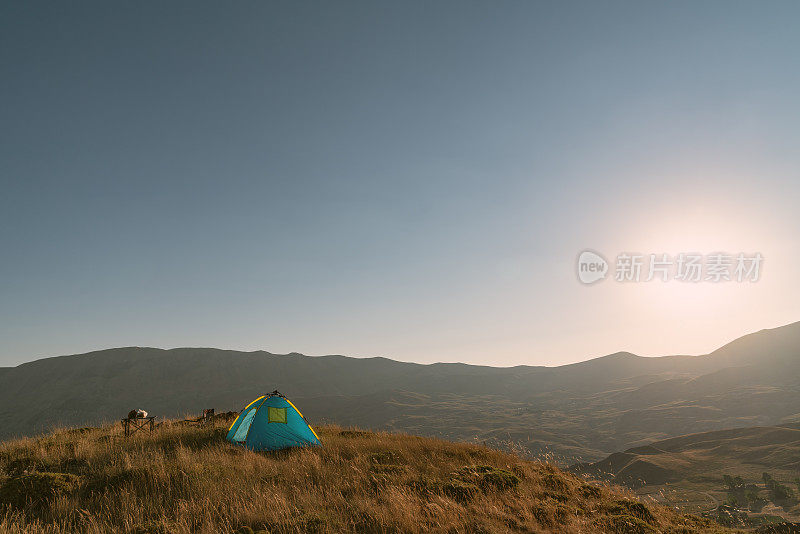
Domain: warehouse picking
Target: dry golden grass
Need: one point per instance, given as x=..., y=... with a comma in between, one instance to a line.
x=185, y=479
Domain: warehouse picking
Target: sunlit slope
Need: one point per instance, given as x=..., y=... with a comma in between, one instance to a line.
x=748, y=452
x=184, y=479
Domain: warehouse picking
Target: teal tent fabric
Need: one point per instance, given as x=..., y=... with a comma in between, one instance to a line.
x=271, y=422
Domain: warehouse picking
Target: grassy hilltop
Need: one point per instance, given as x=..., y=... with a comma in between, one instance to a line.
x=188, y=479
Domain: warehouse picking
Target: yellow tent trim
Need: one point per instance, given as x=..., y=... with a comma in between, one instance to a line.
x=301, y=415
x=245, y=409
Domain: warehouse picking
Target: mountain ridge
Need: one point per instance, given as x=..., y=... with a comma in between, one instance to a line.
x=791, y=330
x=577, y=412
x=614, y=355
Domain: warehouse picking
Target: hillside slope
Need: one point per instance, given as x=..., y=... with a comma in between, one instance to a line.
x=744, y=451
x=692, y=467
x=184, y=479
x=578, y=412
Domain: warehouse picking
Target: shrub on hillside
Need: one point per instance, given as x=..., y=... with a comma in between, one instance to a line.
x=625, y=507
x=487, y=477
x=779, y=493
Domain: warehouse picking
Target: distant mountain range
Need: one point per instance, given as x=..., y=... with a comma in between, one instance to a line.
x=578, y=412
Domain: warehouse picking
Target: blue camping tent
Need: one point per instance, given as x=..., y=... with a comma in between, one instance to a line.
x=271, y=422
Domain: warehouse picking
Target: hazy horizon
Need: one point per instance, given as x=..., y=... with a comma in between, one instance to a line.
x=407, y=180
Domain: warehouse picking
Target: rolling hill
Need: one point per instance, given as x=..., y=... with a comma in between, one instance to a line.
x=689, y=469
x=571, y=413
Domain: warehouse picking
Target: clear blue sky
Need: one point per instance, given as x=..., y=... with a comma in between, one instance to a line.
x=406, y=179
